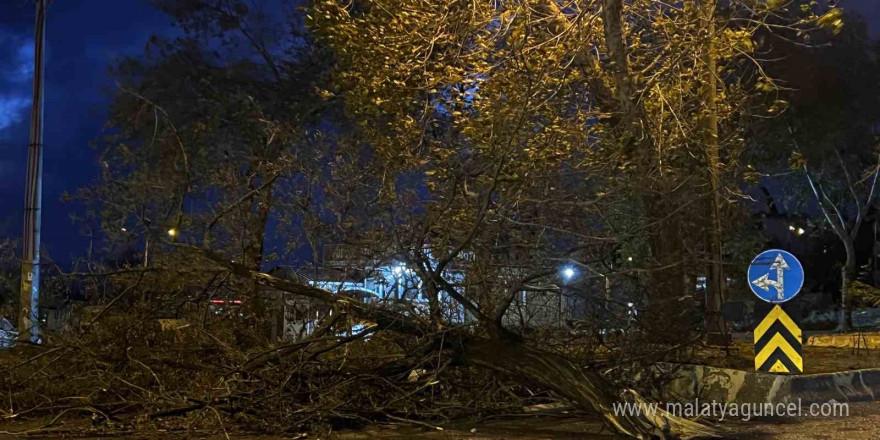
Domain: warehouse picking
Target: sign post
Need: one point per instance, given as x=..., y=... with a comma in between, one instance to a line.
x=776, y=276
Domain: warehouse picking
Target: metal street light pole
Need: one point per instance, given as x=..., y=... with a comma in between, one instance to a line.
x=28, y=315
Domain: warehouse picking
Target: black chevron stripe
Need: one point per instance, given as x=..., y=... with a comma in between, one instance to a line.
x=779, y=355
x=778, y=327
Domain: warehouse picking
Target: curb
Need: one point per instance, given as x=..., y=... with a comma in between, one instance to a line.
x=687, y=383
x=848, y=340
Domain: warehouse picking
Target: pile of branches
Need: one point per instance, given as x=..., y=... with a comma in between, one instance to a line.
x=125, y=371
x=210, y=368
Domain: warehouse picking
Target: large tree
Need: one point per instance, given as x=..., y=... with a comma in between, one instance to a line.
x=504, y=108
x=483, y=145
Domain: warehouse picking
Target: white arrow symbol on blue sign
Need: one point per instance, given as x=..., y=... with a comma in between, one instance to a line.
x=765, y=283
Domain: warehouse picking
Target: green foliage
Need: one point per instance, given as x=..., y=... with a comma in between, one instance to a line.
x=454, y=90
x=864, y=295
x=831, y=21
x=10, y=276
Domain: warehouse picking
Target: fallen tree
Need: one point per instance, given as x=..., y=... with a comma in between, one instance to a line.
x=499, y=158
x=504, y=352
x=131, y=375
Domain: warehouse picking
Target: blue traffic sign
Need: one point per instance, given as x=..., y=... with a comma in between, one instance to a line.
x=776, y=276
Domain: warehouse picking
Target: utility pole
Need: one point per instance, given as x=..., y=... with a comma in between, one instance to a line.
x=28, y=315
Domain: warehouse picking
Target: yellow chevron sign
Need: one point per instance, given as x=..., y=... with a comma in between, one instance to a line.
x=778, y=344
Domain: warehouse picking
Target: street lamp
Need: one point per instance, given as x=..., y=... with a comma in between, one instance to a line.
x=567, y=273
x=172, y=232
x=398, y=270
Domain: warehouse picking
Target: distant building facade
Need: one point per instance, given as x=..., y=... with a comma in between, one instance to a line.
x=352, y=270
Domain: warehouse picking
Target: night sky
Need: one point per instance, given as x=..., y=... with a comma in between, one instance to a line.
x=83, y=38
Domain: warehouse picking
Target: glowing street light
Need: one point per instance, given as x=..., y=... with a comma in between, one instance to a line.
x=399, y=270
x=172, y=232
x=568, y=273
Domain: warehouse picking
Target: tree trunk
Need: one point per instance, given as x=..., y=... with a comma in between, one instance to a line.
x=875, y=252
x=847, y=275
x=259, y=218
x=253, y=255
x=664, y=277
x=716, y=329
x=584, y=389
x=664, y=317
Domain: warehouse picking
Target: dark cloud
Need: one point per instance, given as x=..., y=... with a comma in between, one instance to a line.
x=16, y=69
x=11, y=110
x=83, y=38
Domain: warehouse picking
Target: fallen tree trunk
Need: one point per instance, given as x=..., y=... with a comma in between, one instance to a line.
x=583, y=389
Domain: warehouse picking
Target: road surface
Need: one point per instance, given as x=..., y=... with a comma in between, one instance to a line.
x=863, y=423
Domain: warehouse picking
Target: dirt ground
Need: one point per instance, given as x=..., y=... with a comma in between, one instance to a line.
x=863, y=423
